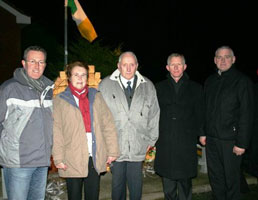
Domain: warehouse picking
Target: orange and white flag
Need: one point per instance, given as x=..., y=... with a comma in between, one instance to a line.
x=83, y=23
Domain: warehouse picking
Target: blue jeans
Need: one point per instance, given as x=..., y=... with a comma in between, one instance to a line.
x=26, y=183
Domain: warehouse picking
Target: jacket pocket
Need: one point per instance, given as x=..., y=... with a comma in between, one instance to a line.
x=140, y=145
x=15, y=114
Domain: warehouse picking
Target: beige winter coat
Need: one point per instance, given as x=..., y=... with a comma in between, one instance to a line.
x=70, y=141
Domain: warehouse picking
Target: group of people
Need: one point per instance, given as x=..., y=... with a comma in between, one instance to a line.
x=86, y=129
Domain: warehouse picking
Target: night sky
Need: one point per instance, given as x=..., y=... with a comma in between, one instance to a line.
x=154, y=29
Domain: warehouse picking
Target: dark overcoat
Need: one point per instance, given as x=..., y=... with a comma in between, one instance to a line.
x=229, y=102
x=181, y=121
x=250, y=160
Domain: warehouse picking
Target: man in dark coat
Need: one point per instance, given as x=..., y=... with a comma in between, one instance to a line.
x=250, y=159
x=229, y=119
x=181, y=104
x=252, y=165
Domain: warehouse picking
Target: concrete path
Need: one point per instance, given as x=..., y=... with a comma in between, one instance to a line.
x=152, y=186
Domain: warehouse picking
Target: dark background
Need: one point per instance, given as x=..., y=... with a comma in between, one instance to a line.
x=155, y=29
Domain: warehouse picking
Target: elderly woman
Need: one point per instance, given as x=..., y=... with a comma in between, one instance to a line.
x=85, y=138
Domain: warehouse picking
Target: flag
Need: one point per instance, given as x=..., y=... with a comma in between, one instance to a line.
x=83, y=23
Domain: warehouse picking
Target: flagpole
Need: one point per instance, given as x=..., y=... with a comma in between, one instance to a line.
x=65, y=34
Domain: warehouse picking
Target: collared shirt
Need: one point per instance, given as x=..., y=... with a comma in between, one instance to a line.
x=124, y=81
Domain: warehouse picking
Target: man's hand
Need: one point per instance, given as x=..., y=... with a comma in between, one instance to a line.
x=148, y=148
x=111, y=159
x=202, y=140
x=61, y=166
x=238, y=151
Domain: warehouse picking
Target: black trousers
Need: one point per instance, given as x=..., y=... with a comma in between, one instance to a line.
x=130, y=173
x=180, y=189
x=91, y=185
x=223, y=169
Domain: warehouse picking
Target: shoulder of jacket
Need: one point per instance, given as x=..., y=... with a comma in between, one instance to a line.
x=10, y=86
x=98, y=98
x=10, y=83
x=93, y=90
x=162, y=83
x=92, y=94
x=63, y=96
x=105, y=81
x=210, y=78
x=57, y=100
x=106, y=78
x=147, y=81
x=47, y=81
x=195, y=84
x=240, y=76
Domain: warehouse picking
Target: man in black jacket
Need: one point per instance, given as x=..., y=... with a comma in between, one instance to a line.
x=181, y=104
x=229, y=119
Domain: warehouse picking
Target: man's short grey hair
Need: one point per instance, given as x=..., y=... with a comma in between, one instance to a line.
x=224, y=47
x=128, y=52
x=34, y=48
x=175, y=55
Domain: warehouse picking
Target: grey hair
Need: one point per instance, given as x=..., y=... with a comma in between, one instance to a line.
x=34, y=48
x=175, y=55
x=128, y=52
x=224, y=47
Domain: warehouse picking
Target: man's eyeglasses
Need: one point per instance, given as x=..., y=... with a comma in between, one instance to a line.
x=34, y=62
x=224, y=57
x=82, y=76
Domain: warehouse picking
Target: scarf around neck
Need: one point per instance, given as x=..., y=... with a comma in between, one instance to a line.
x=37, y=84
x=84, y=105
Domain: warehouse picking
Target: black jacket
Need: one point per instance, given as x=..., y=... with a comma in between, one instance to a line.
x=250, y=160
x=229, y=107
x=181, y=118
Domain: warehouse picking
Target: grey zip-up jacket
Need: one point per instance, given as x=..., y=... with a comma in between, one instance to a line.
x=138, y=126
x=26, y=123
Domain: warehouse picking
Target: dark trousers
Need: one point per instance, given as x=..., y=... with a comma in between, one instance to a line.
x=177, y=189
x=130, y=173
x=223, y=169
x=91, y=185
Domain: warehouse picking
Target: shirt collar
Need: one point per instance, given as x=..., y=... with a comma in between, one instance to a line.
x=124, y=81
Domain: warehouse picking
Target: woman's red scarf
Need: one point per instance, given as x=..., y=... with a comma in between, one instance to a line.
x=83, y=104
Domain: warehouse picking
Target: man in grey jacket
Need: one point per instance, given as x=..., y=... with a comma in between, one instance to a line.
x=132, y=100
x=26, y=127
